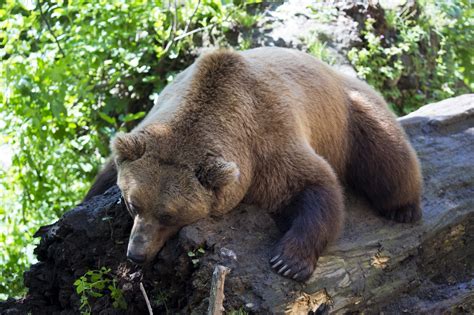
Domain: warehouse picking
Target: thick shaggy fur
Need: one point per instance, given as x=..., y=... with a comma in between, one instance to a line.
x=272, y=127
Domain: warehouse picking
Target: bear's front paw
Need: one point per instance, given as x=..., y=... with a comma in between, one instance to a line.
x=293, y=260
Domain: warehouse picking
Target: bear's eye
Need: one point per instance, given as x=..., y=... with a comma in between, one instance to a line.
x=133, y=209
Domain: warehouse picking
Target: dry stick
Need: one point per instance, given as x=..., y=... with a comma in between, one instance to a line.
x=40, y=5
x=216, y=297
x=194, y=31
x=173, y=30
x=148, y=305
x=191, y=18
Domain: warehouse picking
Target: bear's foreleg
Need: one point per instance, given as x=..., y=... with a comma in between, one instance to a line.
x=314, y=217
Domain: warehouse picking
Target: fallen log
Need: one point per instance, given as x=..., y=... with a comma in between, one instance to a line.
x=375, y=266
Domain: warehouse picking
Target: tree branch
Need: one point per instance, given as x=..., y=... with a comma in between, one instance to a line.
x=147, y=301
x=191, y=18
x=43, y=17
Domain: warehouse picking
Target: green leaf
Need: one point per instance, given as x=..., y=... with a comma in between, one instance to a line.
x=107, y=118
x=132, y=117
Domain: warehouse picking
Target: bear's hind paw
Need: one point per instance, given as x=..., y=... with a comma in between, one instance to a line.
x=406, y=214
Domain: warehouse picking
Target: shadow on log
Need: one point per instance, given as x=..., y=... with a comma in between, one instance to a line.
x=376, y=265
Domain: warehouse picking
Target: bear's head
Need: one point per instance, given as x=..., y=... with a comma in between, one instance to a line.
x=164, y=192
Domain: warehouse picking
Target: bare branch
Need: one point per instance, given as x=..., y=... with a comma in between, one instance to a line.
x=193, y=31
x=147, y=301
x=173, y=30
x=190, y=19
x=43, y=17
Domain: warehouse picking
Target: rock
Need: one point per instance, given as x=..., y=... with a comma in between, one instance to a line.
x=294, y=22
x=297, y=24
x=375, y=266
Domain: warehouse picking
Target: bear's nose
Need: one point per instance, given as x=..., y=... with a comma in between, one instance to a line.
x=136, y=258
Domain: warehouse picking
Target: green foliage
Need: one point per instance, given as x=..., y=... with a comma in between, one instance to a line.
x=72, y=74
x=95, y=284
x=319, y=50
x=323, y=11
x=240, y=311
x=161, y=300
x=425, y=55
x=194, y=255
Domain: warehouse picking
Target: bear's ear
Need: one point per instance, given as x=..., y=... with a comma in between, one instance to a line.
x=128, y=146
x=216, y=173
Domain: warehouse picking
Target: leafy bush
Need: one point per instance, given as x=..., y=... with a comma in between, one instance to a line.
x=319, y=49
x=72, y=74
x=423, y=55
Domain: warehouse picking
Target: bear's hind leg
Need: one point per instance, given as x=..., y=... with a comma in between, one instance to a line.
x=314, y=217
x=382, y=165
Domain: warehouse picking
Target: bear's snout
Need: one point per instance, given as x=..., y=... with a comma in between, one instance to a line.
x=136, y=251
x=147, y=238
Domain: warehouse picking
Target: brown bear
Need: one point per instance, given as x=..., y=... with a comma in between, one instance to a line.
x=272, y=127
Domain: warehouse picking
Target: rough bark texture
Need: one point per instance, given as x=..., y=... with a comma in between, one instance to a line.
x=376, y=265
x=216, y=296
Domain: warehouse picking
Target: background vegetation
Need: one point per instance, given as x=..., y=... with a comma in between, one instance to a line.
x=73, y=73
x=419, y=54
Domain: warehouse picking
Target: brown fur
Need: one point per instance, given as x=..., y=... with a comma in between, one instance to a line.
x=272, y=127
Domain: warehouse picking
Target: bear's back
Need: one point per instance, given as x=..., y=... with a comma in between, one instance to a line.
x=310, y=94
x=296, y=99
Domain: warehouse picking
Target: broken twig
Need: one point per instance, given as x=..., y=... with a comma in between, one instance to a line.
x=148, y=305
x=216, y=297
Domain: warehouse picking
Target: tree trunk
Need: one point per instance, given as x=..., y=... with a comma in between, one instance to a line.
x=376, y=265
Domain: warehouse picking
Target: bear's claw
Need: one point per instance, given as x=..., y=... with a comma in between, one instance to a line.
x=293, y=266
x=277, y=263
x=282, y=268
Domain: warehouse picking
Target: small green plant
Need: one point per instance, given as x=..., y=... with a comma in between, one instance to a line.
x=323, y=12
x=194, y=255
x=161, y=299
x=319, y=50
x=239, y=311
x=246, y=20
x=95, y=284
x=245, y=43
